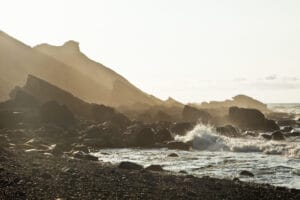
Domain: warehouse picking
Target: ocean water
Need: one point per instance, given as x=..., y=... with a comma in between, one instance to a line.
x=273, y=162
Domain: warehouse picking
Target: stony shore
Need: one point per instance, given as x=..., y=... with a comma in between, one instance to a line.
x=35, y=175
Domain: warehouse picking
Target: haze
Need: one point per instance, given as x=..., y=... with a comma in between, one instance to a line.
x=191, y=50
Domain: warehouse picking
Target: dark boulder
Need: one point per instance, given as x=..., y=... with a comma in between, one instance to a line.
x=178, y=145
x=228, y=130
x=251, y=119
x=246, y=173
x=173, y=155
x=277, y=135
x=163, y=135
x=157, y=168
x=191, y=114
x=130, y=166
x=52, y=112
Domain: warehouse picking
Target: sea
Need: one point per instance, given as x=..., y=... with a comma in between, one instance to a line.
x=273, y=162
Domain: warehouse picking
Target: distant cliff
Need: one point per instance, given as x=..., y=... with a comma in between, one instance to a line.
x=67, y=68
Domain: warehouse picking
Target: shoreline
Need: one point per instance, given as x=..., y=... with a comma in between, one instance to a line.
x=32, y=175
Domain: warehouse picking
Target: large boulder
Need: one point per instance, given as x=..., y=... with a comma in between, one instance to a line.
x=251, y=119
x=191, y=114
x=228, y=130
x=52, y=112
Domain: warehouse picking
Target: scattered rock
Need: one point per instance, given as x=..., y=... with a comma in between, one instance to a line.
x=182, y=128
x=277, y=135
x=266, y=136
x=287, y=122
x=84, y=156
x=287, y=129
x=163, y=135
x=154, y=168
x=173, y=155
x=246, y=173
x=130, y=166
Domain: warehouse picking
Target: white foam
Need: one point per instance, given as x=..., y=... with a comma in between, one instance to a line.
x=205, y=137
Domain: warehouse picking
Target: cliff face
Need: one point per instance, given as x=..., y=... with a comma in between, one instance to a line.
x=67, y=68
x=113, y=89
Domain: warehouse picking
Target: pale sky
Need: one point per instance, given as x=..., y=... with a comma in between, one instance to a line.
x=192, y=50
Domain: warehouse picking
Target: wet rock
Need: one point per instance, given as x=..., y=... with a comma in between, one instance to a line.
x=154, y=168
x=130, y=166
x=178, y=145
x=80, y=147
x=246, y=173
x=287, y=129
x=277, y=135
x=229, y=131
x=84, y=156
x=251, y=119
x=250, y=133
x=52, y=112
x=266, y=136
x=173, y=155
x=287, y=122
x=292, y=134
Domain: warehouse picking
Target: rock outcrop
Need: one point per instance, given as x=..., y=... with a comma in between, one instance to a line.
x=251, y=119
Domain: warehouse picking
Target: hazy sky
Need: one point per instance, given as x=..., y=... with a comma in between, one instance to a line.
x=192, y=50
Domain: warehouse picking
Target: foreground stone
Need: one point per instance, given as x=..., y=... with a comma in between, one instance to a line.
x=130, y=166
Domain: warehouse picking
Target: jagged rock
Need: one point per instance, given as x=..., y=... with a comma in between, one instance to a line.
x=154, y=168
x=191, y=114
x=52, y=112
x=228, y=130
x=178, y=145
x=130, y=166
x=251, y=119
x=277, y=135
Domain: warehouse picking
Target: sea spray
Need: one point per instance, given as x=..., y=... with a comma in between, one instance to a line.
x=205, y=137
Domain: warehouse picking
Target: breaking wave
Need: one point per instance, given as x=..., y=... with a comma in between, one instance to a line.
x=204, y=137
